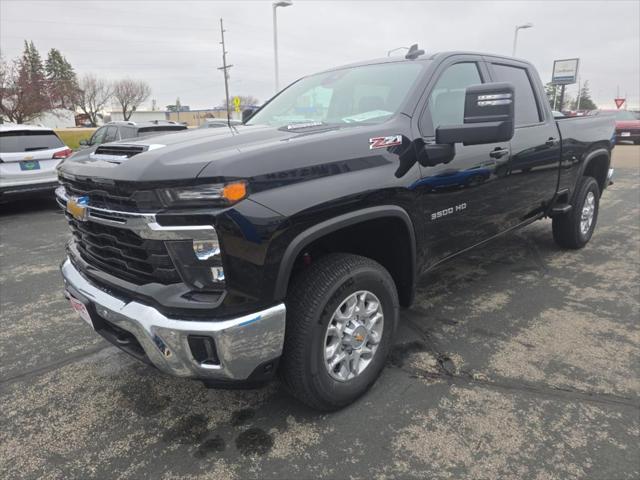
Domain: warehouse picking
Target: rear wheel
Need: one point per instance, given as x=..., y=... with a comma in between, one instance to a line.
x=574, y=229
x=342, y=313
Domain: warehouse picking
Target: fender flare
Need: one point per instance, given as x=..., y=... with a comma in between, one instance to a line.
x=333, y=224
x=589, y=156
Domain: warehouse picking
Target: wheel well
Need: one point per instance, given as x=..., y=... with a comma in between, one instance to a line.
x=386, y=240
x=598, y=168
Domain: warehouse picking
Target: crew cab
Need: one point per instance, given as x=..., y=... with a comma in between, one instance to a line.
x=29, y=156
x=289, y=243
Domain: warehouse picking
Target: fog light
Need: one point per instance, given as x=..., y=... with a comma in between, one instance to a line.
x=205, y=249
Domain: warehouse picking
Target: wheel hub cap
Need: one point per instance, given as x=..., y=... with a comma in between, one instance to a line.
x=588, y=210
x=353, y=335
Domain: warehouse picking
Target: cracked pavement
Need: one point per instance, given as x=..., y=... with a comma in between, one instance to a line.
x=517, y=360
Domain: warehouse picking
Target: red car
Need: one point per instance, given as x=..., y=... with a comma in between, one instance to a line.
x=627, y=125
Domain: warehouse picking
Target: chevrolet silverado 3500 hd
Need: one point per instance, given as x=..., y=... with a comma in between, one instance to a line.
x=288, y=244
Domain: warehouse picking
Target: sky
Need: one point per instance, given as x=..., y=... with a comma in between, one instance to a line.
x=174, y=44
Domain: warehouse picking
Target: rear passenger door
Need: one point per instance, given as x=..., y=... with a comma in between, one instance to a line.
x=535, y=146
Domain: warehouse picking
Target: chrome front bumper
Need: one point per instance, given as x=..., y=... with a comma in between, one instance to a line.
x=243, y=343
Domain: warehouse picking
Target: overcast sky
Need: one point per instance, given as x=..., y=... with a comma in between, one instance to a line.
x=174, y=44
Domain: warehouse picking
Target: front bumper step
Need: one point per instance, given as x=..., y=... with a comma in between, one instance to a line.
x=243, y=344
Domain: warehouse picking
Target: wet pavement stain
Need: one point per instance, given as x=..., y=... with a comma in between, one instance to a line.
x=241, y=417
x=210, y=446
x=254, y=441
x=188, y=430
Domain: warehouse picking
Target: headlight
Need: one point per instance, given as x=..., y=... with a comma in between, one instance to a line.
x=218, y=194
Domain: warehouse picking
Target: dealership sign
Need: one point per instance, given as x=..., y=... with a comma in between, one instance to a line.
x=565, y=71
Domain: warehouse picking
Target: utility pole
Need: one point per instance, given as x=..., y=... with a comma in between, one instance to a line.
x=224, y=69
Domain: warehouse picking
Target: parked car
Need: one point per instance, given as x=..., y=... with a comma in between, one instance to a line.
x=28, y=159
x=125, y=130
x=289, y=243
x=218, y=123
x=627, y=125
x=557, y=114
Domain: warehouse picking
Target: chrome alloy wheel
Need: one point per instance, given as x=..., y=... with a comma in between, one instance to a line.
x=353, y=335
x=588, y=209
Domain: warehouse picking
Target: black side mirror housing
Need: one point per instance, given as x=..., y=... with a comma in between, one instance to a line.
x=247, y=113
x=84, y=141
x=488, y=116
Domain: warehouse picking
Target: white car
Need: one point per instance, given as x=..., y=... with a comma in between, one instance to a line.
x=28, y=159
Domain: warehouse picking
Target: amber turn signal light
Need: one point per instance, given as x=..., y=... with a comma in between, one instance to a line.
x=235, y=191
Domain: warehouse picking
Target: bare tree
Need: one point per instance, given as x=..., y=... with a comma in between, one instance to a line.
x=94, y=95
x=130, y=94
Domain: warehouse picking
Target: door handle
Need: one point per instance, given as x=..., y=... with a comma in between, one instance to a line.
x=550, y=142
x=499, y=152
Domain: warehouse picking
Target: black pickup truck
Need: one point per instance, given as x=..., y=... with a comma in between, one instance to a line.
x=288, y=244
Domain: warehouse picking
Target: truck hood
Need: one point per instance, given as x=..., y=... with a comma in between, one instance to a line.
x=173, y=156
x=237, y=152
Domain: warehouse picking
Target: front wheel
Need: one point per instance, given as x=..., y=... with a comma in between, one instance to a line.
x=342, y=314
x=574, y=229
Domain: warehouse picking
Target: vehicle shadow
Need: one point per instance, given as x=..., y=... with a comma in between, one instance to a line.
x=42, y=203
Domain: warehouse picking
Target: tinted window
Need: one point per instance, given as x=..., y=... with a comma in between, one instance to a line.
x=127, y=132
x=526, y=108
x=111, y=135
x=98, y=137
x=366, y=94
x=28, y=141
x=146, y=131
x=446, y=101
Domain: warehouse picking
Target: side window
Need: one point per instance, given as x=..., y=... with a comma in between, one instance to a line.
x=446, y=101
x=127, y=132
x=526, y=108
x=112, y=135
x=98, y=136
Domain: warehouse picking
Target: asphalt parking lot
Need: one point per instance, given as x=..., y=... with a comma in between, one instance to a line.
x=518, y=360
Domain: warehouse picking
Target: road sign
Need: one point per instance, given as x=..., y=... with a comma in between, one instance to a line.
x=236, y=103
x=565, y=71
x=619, y=102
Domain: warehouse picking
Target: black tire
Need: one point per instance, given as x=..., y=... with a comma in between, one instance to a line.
x=313, y=297
x=566, y=228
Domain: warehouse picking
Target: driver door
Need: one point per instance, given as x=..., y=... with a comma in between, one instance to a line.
x=464, y=201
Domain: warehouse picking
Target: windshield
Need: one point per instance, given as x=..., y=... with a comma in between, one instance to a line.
x=626, y=115
x=358, y=95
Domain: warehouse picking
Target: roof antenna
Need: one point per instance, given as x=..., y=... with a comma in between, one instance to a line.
x=414, y=52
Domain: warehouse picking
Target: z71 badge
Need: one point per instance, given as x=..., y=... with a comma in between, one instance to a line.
x=385, y=142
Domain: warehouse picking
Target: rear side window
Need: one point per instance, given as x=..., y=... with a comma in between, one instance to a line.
x=446, y=101
x=28, y=141
x=165, y=128
x=112, y=135
x=526, y=108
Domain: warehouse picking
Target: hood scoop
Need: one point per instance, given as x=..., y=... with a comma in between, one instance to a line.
x=118, y=153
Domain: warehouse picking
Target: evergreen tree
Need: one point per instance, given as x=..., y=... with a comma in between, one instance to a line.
x=62, y=81
x=586, y=103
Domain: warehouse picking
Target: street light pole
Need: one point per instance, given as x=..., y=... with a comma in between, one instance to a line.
x=515, y=36
x=275, y=5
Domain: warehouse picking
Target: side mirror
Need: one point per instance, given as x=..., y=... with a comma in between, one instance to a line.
x=488, y=116
x=84, y=142
x=247, y=113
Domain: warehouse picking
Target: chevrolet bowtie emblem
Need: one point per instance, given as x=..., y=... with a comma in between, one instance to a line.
x=77, y=207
